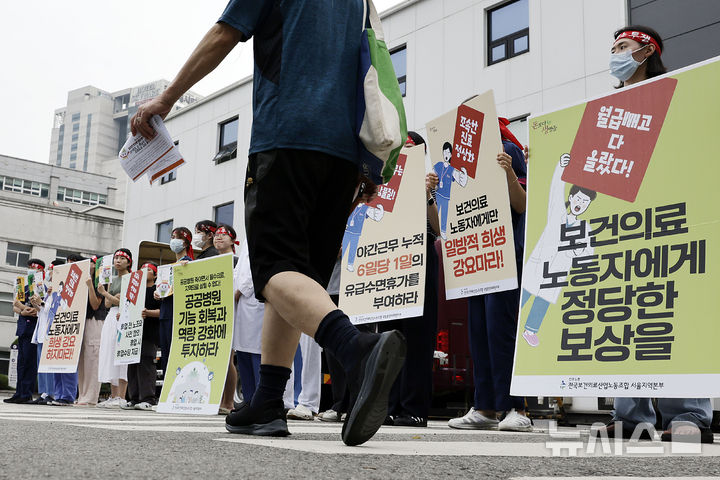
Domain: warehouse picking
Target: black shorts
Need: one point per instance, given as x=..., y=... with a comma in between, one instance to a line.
x=296, y=206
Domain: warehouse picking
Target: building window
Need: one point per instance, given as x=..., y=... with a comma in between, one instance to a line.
x=398, y=56
x=63, y=254
x=76, y=127
x=164, y=231
x=75, y=117
x=27, y=187
x=18, y=254
x=224, y=213
x=73, y=159
x=87, y=142
x=169, y=177
x=61, y=139
x=6, y=304
x=508, y=31
x=227, y=150
x=78, y=196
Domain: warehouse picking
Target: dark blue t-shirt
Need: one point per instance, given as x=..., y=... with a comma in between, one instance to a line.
x=518, y=219
x=306, y=66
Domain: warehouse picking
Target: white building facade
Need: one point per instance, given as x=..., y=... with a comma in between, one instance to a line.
x=50, y=212
x=556, y=53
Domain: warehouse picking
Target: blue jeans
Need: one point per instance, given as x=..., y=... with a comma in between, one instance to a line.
x=537, y=311
x=632, y=411
x=46, y=382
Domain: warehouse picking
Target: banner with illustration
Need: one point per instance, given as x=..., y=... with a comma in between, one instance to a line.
x=104, y=270
x=618, y=282
x=128, y=341
x=164, y=280
x=202, y=337
x=383, y=249
x=472, y=200
x=67, y=306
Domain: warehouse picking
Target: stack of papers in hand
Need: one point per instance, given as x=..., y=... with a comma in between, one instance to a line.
x=154, y=158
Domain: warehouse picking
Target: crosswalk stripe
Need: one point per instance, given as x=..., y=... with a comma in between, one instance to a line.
x=423, y=448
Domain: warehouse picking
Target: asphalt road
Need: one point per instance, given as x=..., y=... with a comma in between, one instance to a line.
x=76, y=442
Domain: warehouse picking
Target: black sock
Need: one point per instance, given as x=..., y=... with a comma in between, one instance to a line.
x=341, y=338
x=271, y=385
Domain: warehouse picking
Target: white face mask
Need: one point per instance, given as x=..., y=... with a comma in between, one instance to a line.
x=177, y=245
x=198, y=240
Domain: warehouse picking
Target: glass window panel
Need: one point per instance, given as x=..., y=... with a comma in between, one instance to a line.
x=224, y=214
x=509, y=19
x=520, y=44
x=399, y=61
x=164, y=231
x=498, y=53
x=229, y=133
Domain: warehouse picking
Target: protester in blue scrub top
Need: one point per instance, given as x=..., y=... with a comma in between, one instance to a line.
x=492, y=319
x=636, y=56
x=447, y=174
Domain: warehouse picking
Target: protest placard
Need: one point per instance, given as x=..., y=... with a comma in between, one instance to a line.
x=618, y=289
x=66, y=314
x=383, y=250
x=202, y=337
x=472, y=200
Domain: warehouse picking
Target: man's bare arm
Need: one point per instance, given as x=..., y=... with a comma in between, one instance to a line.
x=217, y=43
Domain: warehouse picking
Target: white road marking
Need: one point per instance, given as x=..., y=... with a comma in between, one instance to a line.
x=422, y=448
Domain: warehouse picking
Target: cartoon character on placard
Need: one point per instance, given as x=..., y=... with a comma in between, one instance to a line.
x=192, y=384
x=552, y=253
x=447, y=175
x=57, y=304
x=353, y=229
x=123, y=317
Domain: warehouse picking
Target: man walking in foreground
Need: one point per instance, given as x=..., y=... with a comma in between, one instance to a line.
x=301, y=179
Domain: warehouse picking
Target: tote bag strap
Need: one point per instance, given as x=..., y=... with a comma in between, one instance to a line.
x=374, y=19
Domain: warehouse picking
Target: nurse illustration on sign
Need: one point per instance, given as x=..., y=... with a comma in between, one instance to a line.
x=552, y=252
x=447, y=174
x=354, y=226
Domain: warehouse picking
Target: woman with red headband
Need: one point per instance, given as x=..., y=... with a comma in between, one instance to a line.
x=142, y=375
x=635, y=56
x=224, y=241
x=492, y=318
x=203, y=238
x=181, y=244
x=108, y=372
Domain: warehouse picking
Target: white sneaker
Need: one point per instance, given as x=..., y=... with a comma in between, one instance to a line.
x=474, y=420
x=109, y=403
x=515, y=422
x=300, y=412
x=143, y=406
x=122, y=403
x=329, y=416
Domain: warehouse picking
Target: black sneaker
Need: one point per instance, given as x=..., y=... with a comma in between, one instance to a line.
x=12, y=399
x=45, y=400
x=389, y=421
x=269, y=421
x=375, y=374
x=408, y=421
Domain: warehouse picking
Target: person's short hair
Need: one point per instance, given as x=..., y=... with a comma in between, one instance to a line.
x=75, y=257
x=57, y=261
x=447, y=146
x=575, y=189
x=37, y=261
x=207, y=226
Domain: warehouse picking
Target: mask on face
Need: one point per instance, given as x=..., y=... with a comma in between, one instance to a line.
x=623, y=65
x=177, y=245
x=198, y=240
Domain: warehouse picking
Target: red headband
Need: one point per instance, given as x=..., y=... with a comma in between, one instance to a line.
x=37, y=266
x=206, y=228
x=123, y=254
x=51, y=266
x=188, y=238
x=410, y=141
x=506, y=134
x=150, y=266
x=640, y=37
